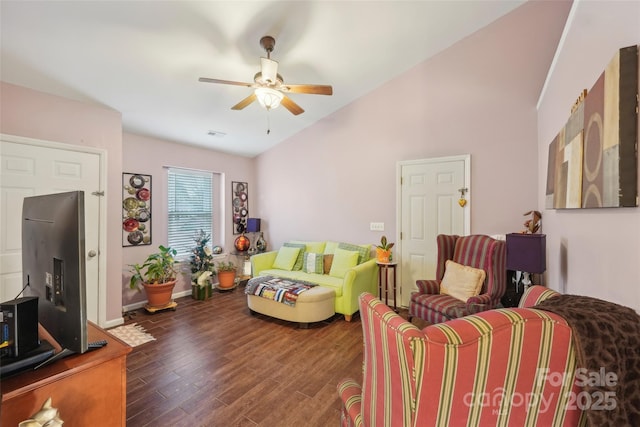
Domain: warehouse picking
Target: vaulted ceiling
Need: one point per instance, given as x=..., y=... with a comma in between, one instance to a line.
x=144, y=58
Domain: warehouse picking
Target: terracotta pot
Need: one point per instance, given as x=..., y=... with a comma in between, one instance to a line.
x=383, y=255
x=159, y=295
x=226, y=279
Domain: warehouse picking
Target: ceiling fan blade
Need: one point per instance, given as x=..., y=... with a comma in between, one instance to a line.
x=269, y=70
x=294, y=108
x=248, y=100
x=225, y=82
x=312, y=89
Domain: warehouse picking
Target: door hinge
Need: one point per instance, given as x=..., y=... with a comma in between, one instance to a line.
x=98, y=193
x=401, y=235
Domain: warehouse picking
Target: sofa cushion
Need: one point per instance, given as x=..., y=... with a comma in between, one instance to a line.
x=313, y=263
x=286, y=258
x=364, y=251
x=343, y=260
x=315, y=247
x=461, y=281
x=300, y=258
x=330, y=247
x=328, y=260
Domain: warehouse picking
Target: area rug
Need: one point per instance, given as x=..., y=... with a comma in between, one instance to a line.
x=132, y=334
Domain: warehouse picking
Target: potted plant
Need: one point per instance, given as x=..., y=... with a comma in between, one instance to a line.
x=202, y=267
x=157, y=275
x=226, y=274
x=383, y=251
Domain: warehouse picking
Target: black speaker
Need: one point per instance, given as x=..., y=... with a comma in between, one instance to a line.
x=19, y=322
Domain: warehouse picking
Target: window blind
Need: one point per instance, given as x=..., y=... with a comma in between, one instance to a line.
x=190, y=195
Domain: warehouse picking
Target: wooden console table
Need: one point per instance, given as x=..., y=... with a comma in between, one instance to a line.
x=384, y=268
x=87, y=389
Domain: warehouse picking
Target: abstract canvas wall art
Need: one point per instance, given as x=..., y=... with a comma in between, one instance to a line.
x=593, y=161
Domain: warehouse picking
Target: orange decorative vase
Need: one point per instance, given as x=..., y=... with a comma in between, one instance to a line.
x=160, y=295
x=383, y=255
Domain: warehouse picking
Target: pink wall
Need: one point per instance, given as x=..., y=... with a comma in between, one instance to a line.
x=592, y=252
x=478, y=97
x=149, y=156
x=38, y=115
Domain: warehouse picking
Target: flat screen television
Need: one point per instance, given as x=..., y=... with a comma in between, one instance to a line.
x=53, y=265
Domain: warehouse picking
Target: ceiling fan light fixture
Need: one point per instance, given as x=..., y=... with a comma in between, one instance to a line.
x=268, y=98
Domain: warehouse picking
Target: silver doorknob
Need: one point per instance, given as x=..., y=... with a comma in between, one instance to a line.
x=92, y=253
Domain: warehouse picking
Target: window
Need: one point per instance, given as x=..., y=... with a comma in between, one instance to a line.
x=190, y=199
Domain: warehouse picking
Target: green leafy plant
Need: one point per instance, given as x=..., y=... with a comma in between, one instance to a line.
x=201, y=260
x=384, y=245
x=226, y=266
x=158, y=268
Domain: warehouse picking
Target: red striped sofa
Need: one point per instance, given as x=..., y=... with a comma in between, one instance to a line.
x=511, y=367
x=478, y=251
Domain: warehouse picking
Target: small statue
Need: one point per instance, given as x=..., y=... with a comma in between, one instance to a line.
x=533, y=224
x=46, y=416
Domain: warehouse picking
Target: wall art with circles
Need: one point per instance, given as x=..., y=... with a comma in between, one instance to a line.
x=239, y=206
x=136, y=209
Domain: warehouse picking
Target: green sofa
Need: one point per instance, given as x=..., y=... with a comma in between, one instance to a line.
x=348, y=283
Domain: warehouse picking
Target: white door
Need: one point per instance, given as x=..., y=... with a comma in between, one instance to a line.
x=429, y=197
x=29, y=168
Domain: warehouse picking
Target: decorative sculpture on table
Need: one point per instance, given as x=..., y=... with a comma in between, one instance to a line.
x=47, y=416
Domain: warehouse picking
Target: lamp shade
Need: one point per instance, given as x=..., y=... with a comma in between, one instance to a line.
x=527, y=252
x=268, y=98
x=253, y=225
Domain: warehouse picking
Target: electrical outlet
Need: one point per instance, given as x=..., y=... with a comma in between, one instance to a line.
x=376, y=226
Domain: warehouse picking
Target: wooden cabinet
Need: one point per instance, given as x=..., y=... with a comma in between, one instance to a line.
x=88, y=389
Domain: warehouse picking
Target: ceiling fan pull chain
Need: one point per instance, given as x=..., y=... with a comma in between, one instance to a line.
x=268, y=122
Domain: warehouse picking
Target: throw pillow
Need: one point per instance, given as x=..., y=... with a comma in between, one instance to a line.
x=343, y=260
x=461, y=281
x=364, y=251
x=286, y=258
x=328, y=260
x=313, y=263
x=300, y=259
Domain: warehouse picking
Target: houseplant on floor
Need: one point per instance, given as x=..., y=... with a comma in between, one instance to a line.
x=157, y=275
x=202, y=267
x=226, y=275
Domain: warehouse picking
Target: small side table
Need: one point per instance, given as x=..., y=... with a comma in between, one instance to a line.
x=384, y=269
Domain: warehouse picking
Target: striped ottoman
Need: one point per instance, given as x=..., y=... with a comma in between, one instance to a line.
x=313, y=305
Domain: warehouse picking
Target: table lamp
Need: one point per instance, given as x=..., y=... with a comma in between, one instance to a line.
x=526, y=253
x=253, y=226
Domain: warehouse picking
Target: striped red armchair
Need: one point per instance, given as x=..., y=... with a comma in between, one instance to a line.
x=514, y=366
x=477, y=251
x=387, y=395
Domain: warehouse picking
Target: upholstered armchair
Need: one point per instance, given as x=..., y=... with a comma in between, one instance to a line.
x=476, y=251
x=387, y=394
x=498, y=367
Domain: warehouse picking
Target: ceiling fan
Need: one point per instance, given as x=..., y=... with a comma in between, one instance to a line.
x=270, y=89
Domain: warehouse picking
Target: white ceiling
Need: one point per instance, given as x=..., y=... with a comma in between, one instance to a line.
x=144, y=58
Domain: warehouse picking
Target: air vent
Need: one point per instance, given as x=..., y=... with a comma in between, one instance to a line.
x=216, y=134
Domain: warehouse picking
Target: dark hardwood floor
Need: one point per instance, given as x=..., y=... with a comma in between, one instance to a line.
x=214, y=364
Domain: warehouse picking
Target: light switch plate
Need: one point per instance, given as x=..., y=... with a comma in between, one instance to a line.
x=376, y=226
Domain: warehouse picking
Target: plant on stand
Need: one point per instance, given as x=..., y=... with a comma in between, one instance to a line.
x=202, y=267
x=226, y=275
x=383, y=251
x=157, y=275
